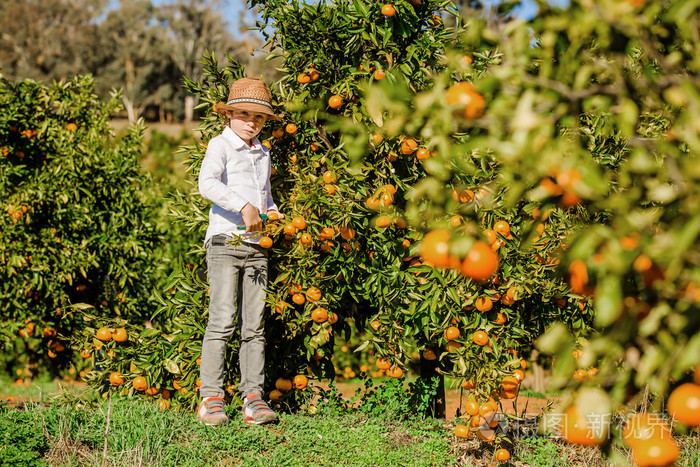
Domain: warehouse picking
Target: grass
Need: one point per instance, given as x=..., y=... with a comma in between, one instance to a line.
x=80, y=429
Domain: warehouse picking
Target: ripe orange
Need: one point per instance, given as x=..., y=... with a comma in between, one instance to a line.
x=139, y=383
x=85, y=354
x=372, y=203
x=500, y=319
x=300, y=382
x=283, y=384
x=120, y=335
x=480, y=338
x=313, y=294
x=655, y=452
x=299, y=223
x=466, y=196
x=395, y=372
x=379, y=74
x=276, y=395
x=643, y=427
x=306, y=239
x=375, y=325
x=298, y=299
x=319, y=315
x=383, y=222
x=575, y=429
x=408, y=146
x=451, y=333
x=468, y=102
x=104, y=334
x=502, y=455
x=71, y=127
x=266, y=242
x=466, y=384
x=578, y=276
x=483, y=303
x=329, y=177
x=388, y=10
x=456, y=220
x=502, y=227
x=452, y=346
x=347, y=233
x=332, y=317
x=289, y=229
x=314, y=74
x=435, y=247
x=335, y=101
x=422, y=154
x=303, y=78
x=290, y=128
x=152, y=391
x=327, y=233
x=164, y=404
x=510, y=383
x=383, y=364
x=519, y=374
x=486, y=434
x=277, y=132
x=429, y=354
x=471, y=407
x=116, y=379
x=684, y=404
x=481, y=262
x=462, y=431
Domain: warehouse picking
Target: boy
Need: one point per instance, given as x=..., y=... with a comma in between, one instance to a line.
x=235, y=176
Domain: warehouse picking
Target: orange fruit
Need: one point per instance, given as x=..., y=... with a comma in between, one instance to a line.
x=164, y=404
x=319, y=315
x=462, y=431
x=483, y=303
x=152, y=391
x=85, y=354
x=500, y=319
x=435, y=247
x=510, y=383
x=329, y=177
x=468, y=102
x=298, y=299
x=456, y=221
x=408, y=146
x=643, y=427
x=71, y=127
x=139, y=383
x=466, y=384
x=372, y=203
x=335, y=101
x=575, y=429
x=486, y=434
x=289, y=229
x=422, y=154
x=104, y=334
x=120, y=335
x=332, y=318
x=519, y=374
x=383, y=222
x=502, y=227
x=395, y=372
x=300, y=382
x=277, y=132
x=429, y=354
x=578, y=276
x=481, y=262
x=452, y=346
x=480, y=338
x=375, y=325
x=656, y=452
x=379, y=74
x=684, y=404
x=299, y=223
x=266, y=242
x=314, y=74
x=383, y=364
x=388, y=10
x=472, y=407
x=276, y=395
x=290, y=128
x=313, y=294
x=303, y=78
x=465, y=196
x=451, y=333
x=347, y=233
x=283, y=384
x=116, y=379
x=502, y=455
x=327, y=233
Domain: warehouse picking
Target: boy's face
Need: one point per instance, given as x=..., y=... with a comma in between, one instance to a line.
x=246, y=124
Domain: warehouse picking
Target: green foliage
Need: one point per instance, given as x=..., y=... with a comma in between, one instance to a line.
x=22, y=440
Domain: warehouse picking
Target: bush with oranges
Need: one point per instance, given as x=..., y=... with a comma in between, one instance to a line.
x=77, y=223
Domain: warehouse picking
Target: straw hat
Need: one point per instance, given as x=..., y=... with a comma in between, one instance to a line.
x=249, y=94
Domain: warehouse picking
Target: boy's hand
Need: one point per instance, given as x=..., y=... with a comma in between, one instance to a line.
x=251, y=218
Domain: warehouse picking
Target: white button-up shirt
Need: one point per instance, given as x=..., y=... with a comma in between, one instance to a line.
x=232, y=175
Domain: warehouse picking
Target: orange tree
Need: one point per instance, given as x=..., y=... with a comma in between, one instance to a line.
x=348, y=178
x=77, y=225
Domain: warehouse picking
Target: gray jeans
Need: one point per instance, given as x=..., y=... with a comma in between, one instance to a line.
x=237, y=281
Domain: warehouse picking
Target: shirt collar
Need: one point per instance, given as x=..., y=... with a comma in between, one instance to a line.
x=238, y=143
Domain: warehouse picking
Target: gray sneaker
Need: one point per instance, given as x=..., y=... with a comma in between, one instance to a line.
x=211, y=412
x=256, y=411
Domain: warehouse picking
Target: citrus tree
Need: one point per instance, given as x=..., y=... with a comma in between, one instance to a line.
x=77, y=222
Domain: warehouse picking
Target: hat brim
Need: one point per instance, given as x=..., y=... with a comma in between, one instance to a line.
x=222, y=107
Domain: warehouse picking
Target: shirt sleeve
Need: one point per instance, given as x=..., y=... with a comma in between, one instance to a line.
x=210, y=176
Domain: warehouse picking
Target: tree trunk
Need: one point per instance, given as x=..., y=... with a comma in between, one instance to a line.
x=161, y=113
x=428, y=370
x=129, y=107
x=189, y=108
